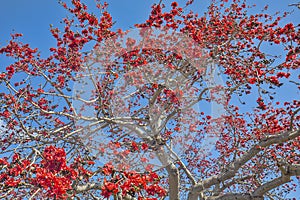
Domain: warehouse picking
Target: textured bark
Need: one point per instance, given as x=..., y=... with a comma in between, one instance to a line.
x=193, y=196
x=237, y=197
x=95, y=186
x=86, y=187
x=173, y=173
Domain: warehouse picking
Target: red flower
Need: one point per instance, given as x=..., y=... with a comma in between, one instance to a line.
x=6, y=114
x=134, y=146
x=252, y=80
x=174, y=4
x=107, y=169
x=109, y=188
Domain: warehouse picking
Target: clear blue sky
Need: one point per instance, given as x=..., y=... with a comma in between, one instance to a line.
x=33, y=17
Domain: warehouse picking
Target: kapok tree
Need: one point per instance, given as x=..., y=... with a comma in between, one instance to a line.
x=182, y=107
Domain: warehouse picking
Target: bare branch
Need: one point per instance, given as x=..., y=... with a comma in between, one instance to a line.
x=295, y=4
x=173, y=182
x=234, y=196
x=235, y=166
x=288, y=171
x=271, y=185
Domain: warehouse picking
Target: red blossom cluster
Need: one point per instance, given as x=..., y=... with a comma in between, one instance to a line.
x=131, y=182
x=51, y=174
x=36, y=105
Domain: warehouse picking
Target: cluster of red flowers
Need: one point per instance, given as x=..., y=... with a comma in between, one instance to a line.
x=226, y=34
x=52, y=174
x=131, y=183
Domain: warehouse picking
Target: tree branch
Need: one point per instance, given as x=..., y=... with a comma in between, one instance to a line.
x=86, y=187
x=271, y=185
x=287, y=172
x=173, y=181
x=234, y=196
x=235, y=166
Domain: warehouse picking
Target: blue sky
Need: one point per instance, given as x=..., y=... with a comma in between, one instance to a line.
x=33, y=18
